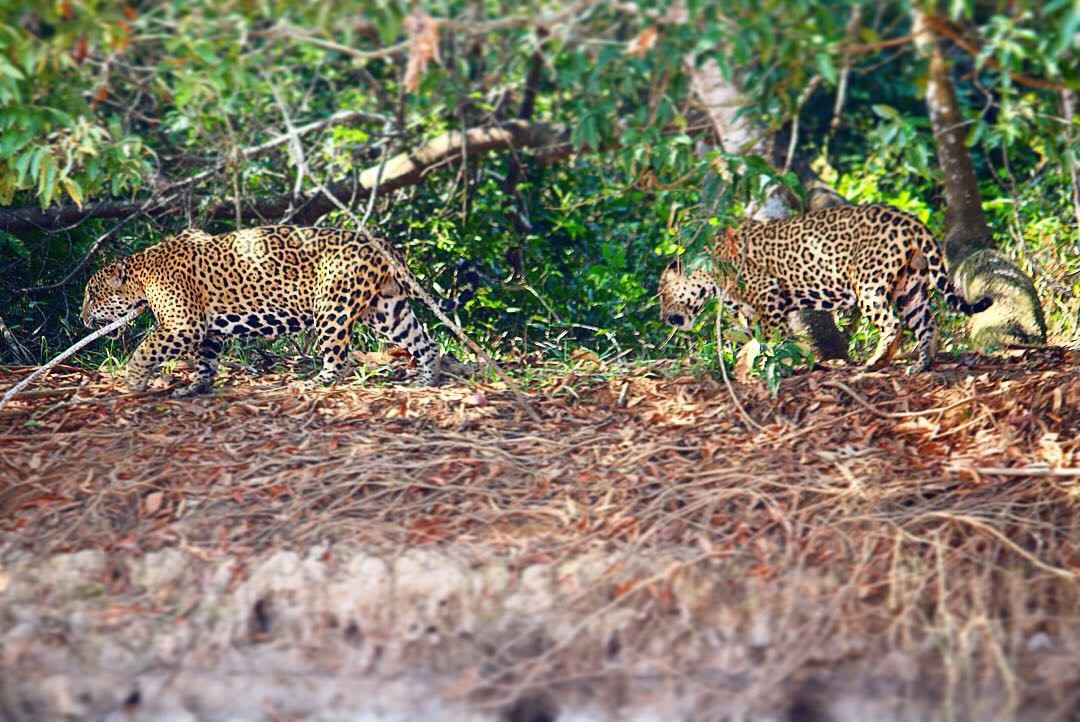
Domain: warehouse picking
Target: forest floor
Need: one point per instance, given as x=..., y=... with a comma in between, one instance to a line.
x=863, y=545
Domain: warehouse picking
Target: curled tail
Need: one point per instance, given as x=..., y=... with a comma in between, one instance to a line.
x=466, y=279
x=939, y=277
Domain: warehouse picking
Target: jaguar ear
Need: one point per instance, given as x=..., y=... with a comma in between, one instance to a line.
x=118, y=276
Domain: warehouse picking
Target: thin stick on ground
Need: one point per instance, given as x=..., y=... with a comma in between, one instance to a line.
x=857, y=398
x=128, y=318
x=1026, y=471
x=723, y=373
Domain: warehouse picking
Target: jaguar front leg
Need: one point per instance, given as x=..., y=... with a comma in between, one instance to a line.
x=335, y=313
x=161, y=345
x=206, y=364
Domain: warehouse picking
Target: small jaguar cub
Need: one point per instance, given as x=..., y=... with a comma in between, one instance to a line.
x=875, y=257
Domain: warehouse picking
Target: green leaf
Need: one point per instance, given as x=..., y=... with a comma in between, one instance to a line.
x=26, y=159
x=825, y=66
x=73, y=189
x=886, y=111
x=16, y=244
x=589, y=131
x=738, y=335
x=9, y=70
x=47, y=179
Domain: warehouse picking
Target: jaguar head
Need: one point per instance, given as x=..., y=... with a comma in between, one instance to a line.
x=110, y=293
x=682, y=296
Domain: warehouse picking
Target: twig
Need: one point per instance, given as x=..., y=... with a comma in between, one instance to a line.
x=49, y=393
x=1026, y=471
x=879, y=45
x=97, y=244
x=851, y=32
x=464, y=27
x=900, y=414
x=341, y=117
x=723, y=373
x=303, y=37
x=130, y=316
x=17, y=349
x=375, y=188
x=803, y=97
x=296, y=148
x=996, y=533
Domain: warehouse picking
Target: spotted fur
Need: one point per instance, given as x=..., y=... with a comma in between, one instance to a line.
x=265, y=281
x=875, y=257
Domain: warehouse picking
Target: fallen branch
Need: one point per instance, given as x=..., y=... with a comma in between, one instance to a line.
x=129, y=317
x=96, y=245
x=405, y=169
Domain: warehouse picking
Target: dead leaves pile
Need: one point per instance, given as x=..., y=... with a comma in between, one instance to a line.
x=904, y=488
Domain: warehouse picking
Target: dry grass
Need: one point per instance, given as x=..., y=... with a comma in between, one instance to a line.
x=876, y=511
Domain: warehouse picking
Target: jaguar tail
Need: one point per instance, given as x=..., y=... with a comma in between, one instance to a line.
x=939, y=277
x=466, y=279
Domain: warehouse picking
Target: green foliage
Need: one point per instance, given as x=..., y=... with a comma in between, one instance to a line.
x=777, y=361
x=105, y=102
x=53, y=140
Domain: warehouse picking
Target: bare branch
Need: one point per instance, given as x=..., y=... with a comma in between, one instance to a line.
x=851, y=31
x=33, y=218
x=553, y=141
x=794, y=139
x=342, y=117
x=942, y=27
x=75, y=347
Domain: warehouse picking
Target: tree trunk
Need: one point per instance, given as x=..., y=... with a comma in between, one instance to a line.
x=1070, y=108
x=722, y=101
x=978, y=269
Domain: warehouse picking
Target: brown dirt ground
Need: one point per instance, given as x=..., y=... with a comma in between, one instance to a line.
x=855, y=517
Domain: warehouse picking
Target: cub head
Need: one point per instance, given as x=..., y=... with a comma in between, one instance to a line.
x=110, y=294
x=681, y=296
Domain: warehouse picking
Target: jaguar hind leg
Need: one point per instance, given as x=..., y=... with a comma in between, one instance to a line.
x=914, y=303
x=391, y=315
x=879, y=311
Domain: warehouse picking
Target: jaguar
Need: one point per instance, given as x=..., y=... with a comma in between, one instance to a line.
x=266, y=281
x=874, y=257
